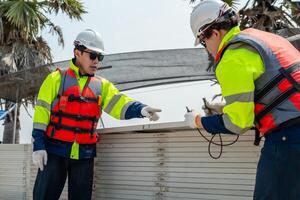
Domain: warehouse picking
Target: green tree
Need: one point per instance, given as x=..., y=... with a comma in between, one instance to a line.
x=21, y=43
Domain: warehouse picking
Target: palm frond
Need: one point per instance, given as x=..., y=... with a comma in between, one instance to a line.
x=21, y=23
x=57, y=30
x=233, y=3
x=73, y=8
x=23, y=16
x=43, y=49
x=294, y=10
x=266, y=15
x=21, y=46
x=1, y=31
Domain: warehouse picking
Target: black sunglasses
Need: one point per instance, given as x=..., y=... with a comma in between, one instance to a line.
x=94, y=55
x=205, y=33
x=201, y=40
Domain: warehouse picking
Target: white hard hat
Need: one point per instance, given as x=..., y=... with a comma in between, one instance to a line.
x=206, y=12
x=91, y=40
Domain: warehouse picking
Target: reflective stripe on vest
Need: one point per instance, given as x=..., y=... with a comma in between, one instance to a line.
x=74, y=114
x=277, y=96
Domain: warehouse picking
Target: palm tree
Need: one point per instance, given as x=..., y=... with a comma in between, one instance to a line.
x=270, y=15
x=22, y=46
x=280, y=17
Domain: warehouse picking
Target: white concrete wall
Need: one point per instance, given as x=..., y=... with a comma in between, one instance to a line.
x=158, y=161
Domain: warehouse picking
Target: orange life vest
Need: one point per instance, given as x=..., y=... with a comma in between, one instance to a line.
x=277, y=90
x=74, y=114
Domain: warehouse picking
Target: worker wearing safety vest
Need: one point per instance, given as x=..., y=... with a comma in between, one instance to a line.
x=259, y=77
x=67, y=111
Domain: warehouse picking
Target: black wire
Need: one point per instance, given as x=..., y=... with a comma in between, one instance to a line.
x=210, y=142
x=221, y=147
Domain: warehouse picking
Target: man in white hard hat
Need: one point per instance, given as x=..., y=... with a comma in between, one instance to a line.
x=67, y=111
x=259, y=77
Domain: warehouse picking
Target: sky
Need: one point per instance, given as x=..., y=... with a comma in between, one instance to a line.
x=129, y=26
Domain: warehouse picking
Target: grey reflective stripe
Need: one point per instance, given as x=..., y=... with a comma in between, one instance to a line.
x=95, y=85
x=274, y=58
x=62, y=77
x=112, y=103
x=269, y=58
x=54, y=103
x=69, y=82
x=43, y=104
x=232, y=127
x=66, y=82
x=40, y=126
x=242, y=45
x=283, y=112
x=124, y=109
x=241, y=97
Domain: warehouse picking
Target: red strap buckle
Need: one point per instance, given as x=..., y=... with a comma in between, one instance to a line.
x=63, y=103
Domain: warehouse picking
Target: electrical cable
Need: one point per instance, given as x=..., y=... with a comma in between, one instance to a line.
x=210, y=141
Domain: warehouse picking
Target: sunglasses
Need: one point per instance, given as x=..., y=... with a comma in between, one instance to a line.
x=204, y=33
x=94, y=55
x=201, y=40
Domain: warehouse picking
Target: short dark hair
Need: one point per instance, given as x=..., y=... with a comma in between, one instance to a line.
x=80, y=47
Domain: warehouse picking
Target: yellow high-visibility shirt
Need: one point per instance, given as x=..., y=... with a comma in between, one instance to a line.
x=236, y=72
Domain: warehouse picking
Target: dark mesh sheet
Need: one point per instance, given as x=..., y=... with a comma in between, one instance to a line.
x=125, y=70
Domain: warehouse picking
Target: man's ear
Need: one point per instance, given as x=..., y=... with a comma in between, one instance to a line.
x=219, y=34
x=216, y=32
x=76, y=53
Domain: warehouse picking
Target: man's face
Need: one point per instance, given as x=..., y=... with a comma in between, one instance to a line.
x=87, y=61
x=212, y=42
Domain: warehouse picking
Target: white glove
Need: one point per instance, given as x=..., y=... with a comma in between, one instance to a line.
x=213, y=108
x=150, y=113
x=39, y=159
x=191, y=117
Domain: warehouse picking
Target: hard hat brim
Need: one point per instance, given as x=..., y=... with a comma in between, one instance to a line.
x=197, y=42
x=98, y=50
